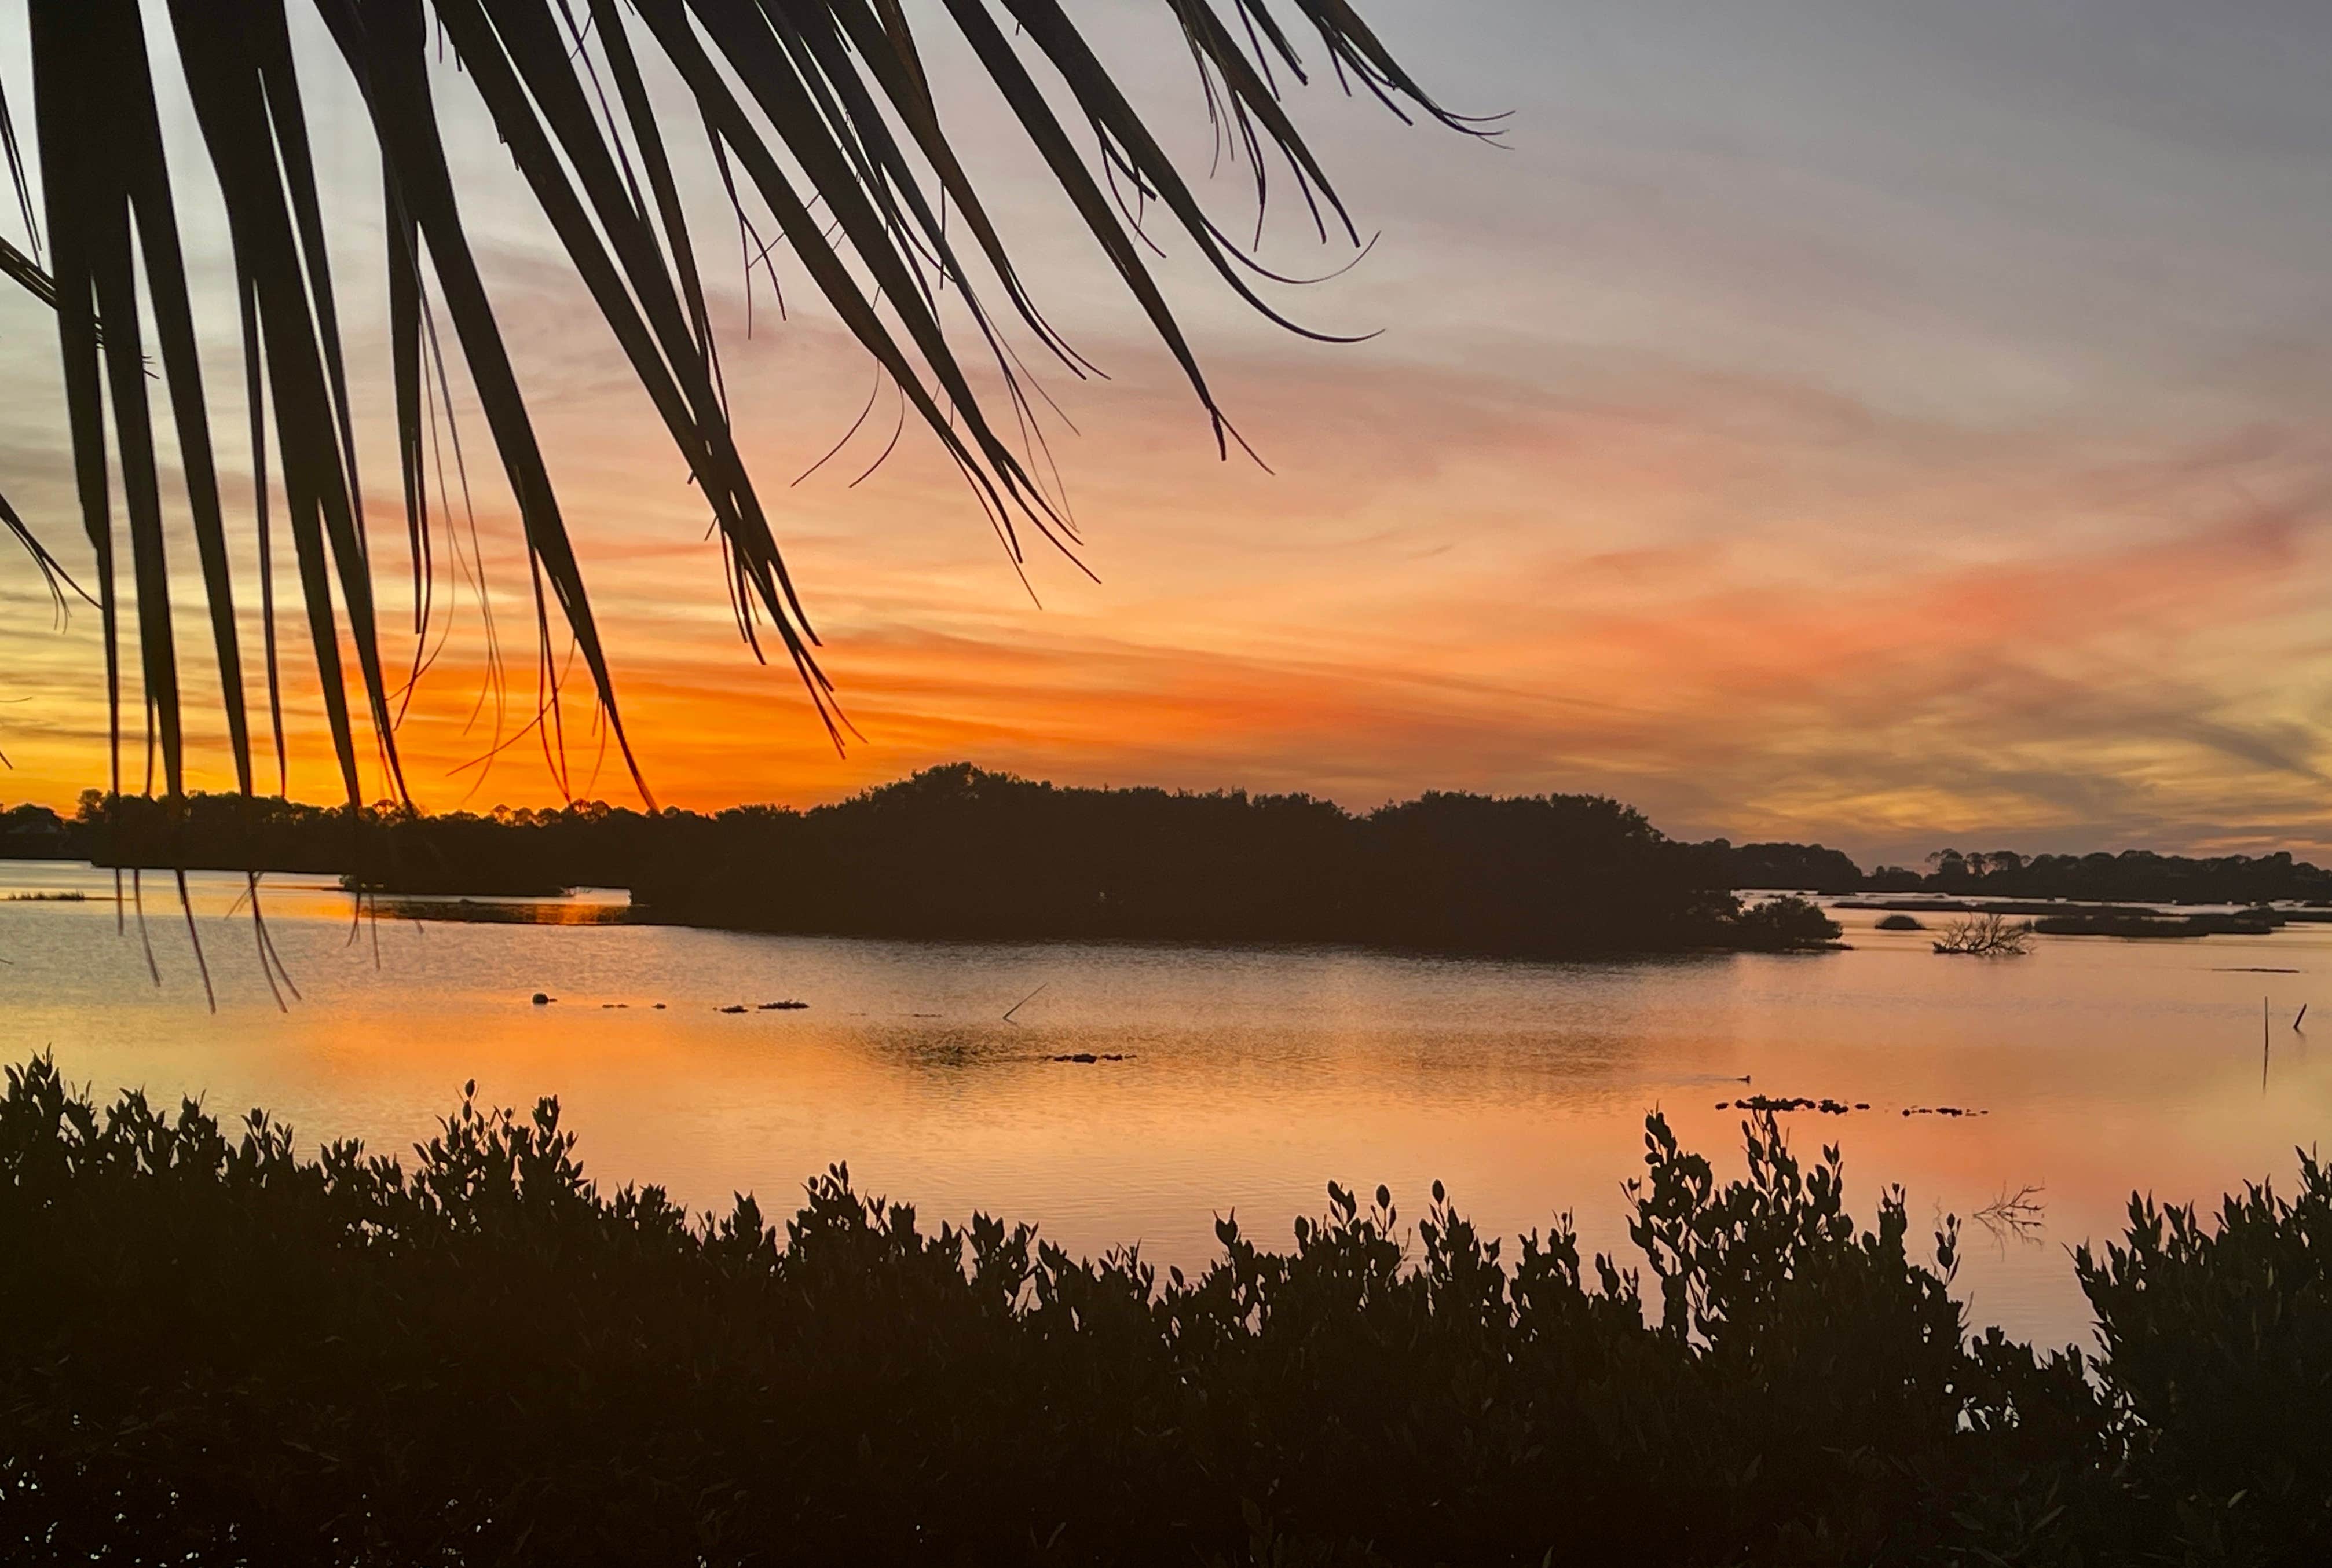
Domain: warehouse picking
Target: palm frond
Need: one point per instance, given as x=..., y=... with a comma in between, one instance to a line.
x=822, y=112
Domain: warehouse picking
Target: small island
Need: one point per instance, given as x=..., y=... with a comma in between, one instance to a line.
x=962, y=853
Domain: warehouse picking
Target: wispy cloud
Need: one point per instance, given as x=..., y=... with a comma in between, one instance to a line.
x=1840, y=426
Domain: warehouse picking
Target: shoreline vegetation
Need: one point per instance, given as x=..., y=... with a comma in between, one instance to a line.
x=958, y=852
x=221, y=1351
x=539, y=854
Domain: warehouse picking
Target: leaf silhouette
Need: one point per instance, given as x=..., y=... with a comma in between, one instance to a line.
x=824, y=109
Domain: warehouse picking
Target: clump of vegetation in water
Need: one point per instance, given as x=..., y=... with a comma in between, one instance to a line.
x=217, y=1351
x=1781, y=925
x=1986, y=936
x=1901, y=922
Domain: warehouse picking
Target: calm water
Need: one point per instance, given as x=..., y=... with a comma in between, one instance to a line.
x=1250, y=1079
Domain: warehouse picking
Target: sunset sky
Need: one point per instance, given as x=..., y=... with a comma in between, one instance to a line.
x=1886, y=424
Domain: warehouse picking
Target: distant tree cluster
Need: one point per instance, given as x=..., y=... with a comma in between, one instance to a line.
x=960, y=852
x=30, y=831
x=1786, y=867
x=2132, y=874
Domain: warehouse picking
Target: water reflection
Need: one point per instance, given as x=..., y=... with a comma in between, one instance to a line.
x=1246, y=1078
x=498, y=911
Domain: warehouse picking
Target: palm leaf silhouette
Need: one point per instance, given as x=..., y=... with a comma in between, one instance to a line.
x=817, y=111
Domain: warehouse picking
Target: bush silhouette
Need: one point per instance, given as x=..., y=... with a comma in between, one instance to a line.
x=1778, y=924
x=220, y=1352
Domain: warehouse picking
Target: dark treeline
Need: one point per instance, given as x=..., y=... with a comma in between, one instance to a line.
x=2134, y=874
x=30, y=831
x=1799, y=867
x=2138, y=875
x=958, y=852
x=214, y=1350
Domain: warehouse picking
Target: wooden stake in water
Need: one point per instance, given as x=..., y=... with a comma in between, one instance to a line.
x=1024, y=1002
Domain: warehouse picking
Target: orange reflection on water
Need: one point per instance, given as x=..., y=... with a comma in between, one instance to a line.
x=1248, y=1078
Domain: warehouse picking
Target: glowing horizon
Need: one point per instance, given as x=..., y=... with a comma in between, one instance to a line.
x=1883, y=432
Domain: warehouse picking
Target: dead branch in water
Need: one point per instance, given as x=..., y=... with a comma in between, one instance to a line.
x=1987, y=936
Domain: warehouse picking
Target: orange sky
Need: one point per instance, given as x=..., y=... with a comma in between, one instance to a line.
x=1889, y=431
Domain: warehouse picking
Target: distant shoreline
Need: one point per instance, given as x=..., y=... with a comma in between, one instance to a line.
x=960, y=853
